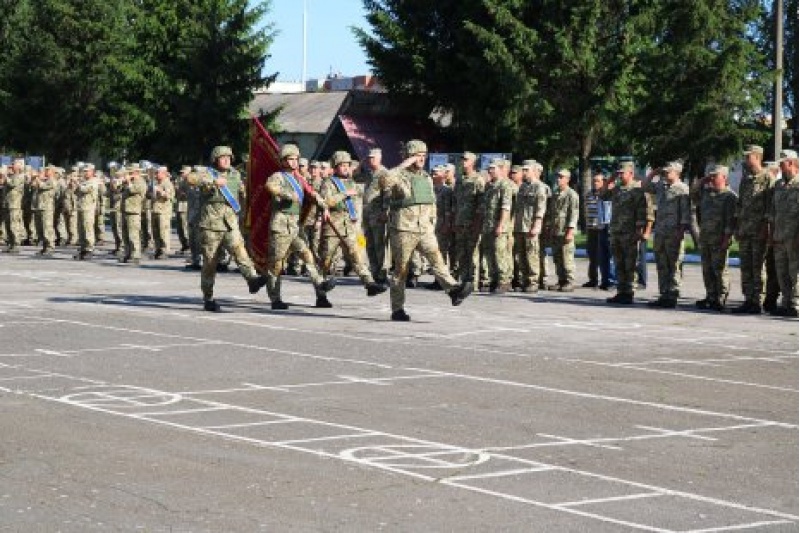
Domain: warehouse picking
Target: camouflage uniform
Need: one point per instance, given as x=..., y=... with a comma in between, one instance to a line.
x=69, y=209
x=3, y=176
x=752, y=212
x=468, y=195
x=193, y=219
x=14, y=189
x=147, y=211
x=445, y=212
x=114, y=193
x=100, y=212
x=31, y=235
x=498, y=197
x=717, y=222
x=86, y=204
x=43, y=205
x=181, y=210
x=163, y=195
x=562, y=215
x=673, y=218
x=133, y=193
x=783, y=219
x=375, y=210
x=529, y=212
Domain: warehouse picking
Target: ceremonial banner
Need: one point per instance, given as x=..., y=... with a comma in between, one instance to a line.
x=264, y=161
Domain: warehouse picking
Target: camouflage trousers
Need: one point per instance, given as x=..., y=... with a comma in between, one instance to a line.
x=403, y=245
x=625, y=248
x=146, y=231
x=194, y=240
x=210, y=244
x=44, y=227
x=280, y=246
x=15, y=230
x=526, y=248
x=752, y=259
x=116, y=227
x=497, y=251
x=465, y=252
x=544, y=269
x=86, y=230
x=100, y=223
x=376, y=250
x=668, y=249
x=131, y=228
x=161, y=231
x=331, y=246
x=715, y=268
x=29, y=221
x=182, y=227
x=70, y=221
x=786, y=269
x=445, y=242
x=564, y=259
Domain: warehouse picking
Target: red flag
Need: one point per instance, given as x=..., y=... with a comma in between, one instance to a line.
x=264, y=161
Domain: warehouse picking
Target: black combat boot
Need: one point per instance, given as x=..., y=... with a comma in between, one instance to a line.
x=374, y=289
x=211, y=306
x=460, y=293
x=322, y=300
x=254, y=284
x=279, y=305
x=400, y=316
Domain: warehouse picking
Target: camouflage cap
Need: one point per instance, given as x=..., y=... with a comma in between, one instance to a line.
x=565, y=173
x=324, y=165
x=625, y=166
x=221, y=151
x=133, y=167
x=185, y=169
x=450, y=167
x=788, y=155
x=753, y=149
x=290, y=150
x=313, y=164
x=516, y=168
x=415, y=146
x=719, y=169
x=88, y=166
x=497, y=162
x=339, y=157
x=375, y=152
x=439, y=168
x=673, y=165
x=303, y=162
x=120, y=173
x=469, y=155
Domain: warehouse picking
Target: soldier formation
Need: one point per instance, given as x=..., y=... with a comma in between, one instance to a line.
x=493, y=226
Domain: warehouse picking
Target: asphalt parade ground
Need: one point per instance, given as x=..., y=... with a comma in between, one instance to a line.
x=125, y=407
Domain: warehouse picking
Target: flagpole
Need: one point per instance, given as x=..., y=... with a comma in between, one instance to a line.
x=305, y=43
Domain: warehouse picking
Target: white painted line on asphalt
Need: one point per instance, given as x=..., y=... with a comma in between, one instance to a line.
x=332, y=437
x=500, y=473
x=603, y=397
x=568, y=440
x=633, y=366
x=252, y=424
x=38, y=376
x=178, y=412
x=51, y=352
x=739, y=527
x=610, y=499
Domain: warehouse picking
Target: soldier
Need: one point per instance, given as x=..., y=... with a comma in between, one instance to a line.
x=219, y=224
x=544, y=242
x=43, y=205
x=717, y=223
x=445, y=213
x=31, y=237
x=673, y=219
x=193, y=218
x=288, y=192
x=468, y=195
x=114, y=193
x=529, y=212
x=181, y=209
x=100, y=211
x=340, y=230
x=630, y=224
x=133, y=193
x=69, y=207
x=784, y=234
x=496, y=227
x=86, y=205
x=752, y=211
x=376, y=214
x=563, y=220
x=411, y=220
x=771, y=286
x=147, y=206
x=14, y=189
x=163, y=195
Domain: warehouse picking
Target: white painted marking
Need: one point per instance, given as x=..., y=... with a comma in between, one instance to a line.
x=501, y=473
x=610, y=499
x=586, y=442
x=672, y=433
x=739, y=526
x=139, y=347
x=39, y=376
x=251, y=424
x=51, y=352
x=332, y=437
x=179, y=412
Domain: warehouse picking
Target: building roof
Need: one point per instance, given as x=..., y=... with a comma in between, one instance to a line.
x=302, y=112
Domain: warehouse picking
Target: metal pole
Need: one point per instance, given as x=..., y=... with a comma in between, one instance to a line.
x=305, y=43
x=777, y=112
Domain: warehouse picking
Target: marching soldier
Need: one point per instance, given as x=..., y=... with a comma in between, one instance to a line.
x=86, y=204
x=563, y=221
x=496, y=227
x=411, y=221
x=339, y=229
x=163, y=195
x=783, y=221
x=114, y=193
x=752, y=212
x=468, y=195
x=772, y=288
x=146, y=231
x=14, y=190
x=3, y=175
x=69, y=207
x=673, y=219
x=31, y=237
x=630, y=224
x=133, y=193
x=219, y=225
x=376, y=214
x=288, y=193
x=445, y=213
x=181, y=209
x=43, y=205
x=193, y=218
x=529, y=212
x=100, y=211
x=717, y=222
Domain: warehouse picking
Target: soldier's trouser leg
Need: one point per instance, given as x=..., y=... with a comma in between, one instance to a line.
x=715, y=269
x=116, y=228
x=44, y=227
x=415, y=264
x=14, y=227
x=130, y=231
x=543, y=244
x=194, y=242
x=86, y=230
x=30, y=226
x=530, y=257
x=752, y=256
x=641, y=262
x=592, y=251
x=626, y=251
x=504, y=263
x=376, y=251
x=100, y=224
x=72, y=228
x=280, y=246
x=145, y=232
x=331, y=245
x=487, y=251
x=669, y=258
x=772, y=287
x=3, y=231
x=466, y=245
x=161, y=231
x=564, y=258
x=182, y=227
x=607, y=271
x=786, y=268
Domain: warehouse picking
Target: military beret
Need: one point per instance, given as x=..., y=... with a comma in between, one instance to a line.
x=753, y=149
x=719, y=169
x=375, y=152
x=788, y=155
x=469, y=155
